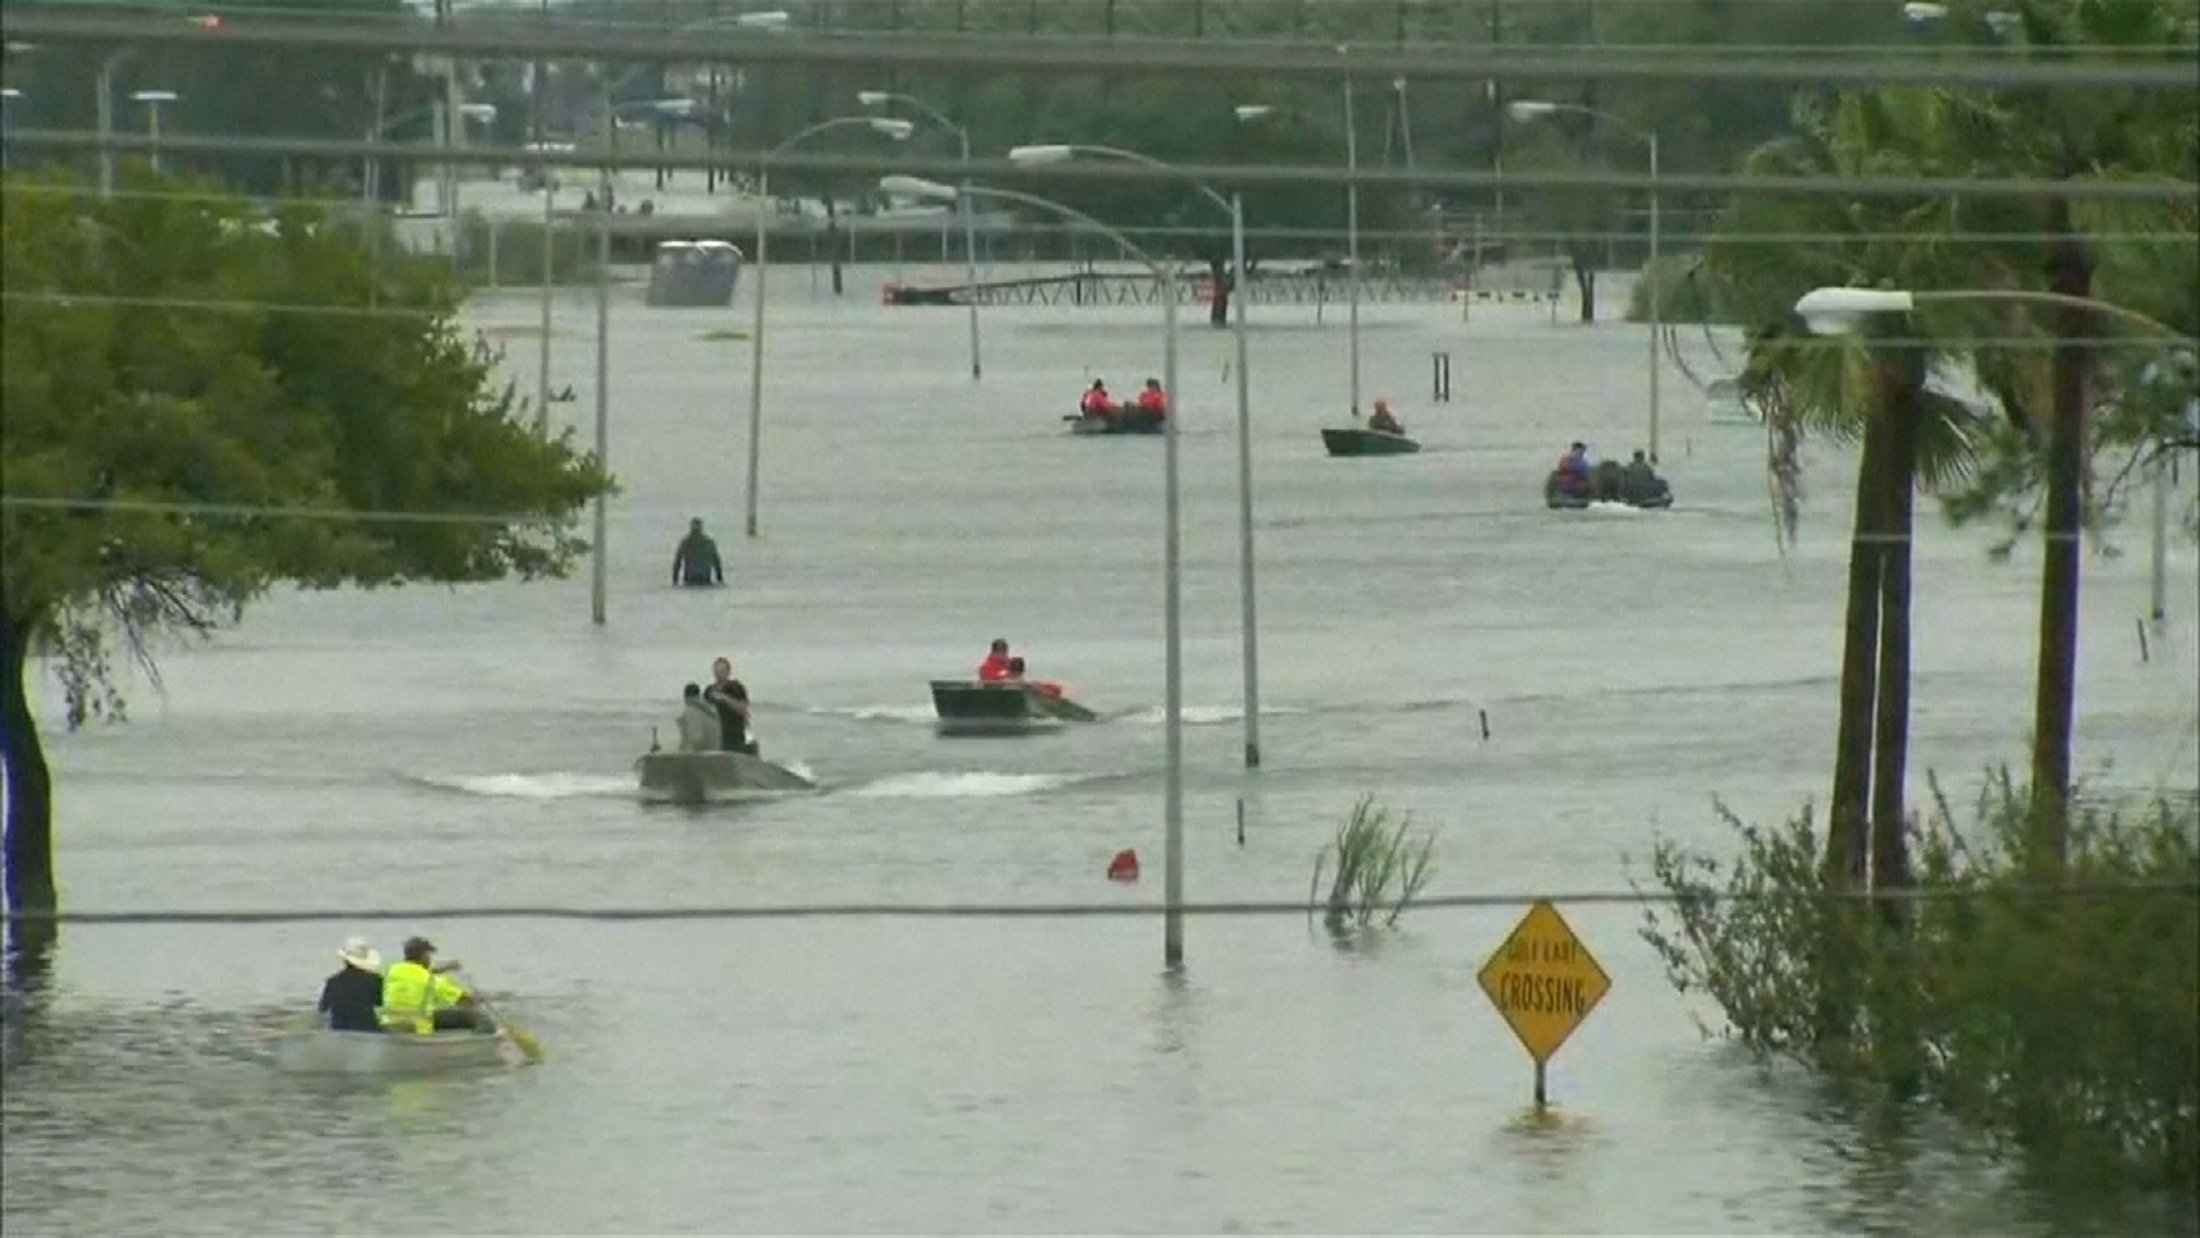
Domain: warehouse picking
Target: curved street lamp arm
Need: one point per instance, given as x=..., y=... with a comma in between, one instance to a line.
x=2054, y=298
x=837, y=122
x=1132, y=156
x=1639, y=133
x=938, y=117
x=1070, y=213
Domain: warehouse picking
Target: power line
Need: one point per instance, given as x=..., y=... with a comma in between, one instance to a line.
x=1028, y=911
x=1115, y=172
x=248, y=511
x=912, y=51
x=1456, y=227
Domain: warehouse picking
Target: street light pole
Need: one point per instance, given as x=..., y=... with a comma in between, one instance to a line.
x=1248, y=625
x=1352, y=235
x=1172, y=851
x=1234, y=207
x=874, y=98
x=1836, y=311
x=756, y=346
x=899, y=130
x=1529, y=109
x=1657, y=299
x=600, y=583
x=549, y=272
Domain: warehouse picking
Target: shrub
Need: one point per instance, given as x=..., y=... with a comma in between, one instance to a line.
x=1374, y=870
x=2056, y=1013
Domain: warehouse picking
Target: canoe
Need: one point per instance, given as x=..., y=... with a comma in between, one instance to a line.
x=1361, y=441
x=709, y=777
x=1604, y=491
x=319, y=1051
x=973, y=707
x=1115, y=425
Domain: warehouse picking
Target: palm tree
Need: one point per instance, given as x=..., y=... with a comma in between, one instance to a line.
x=1870, y=389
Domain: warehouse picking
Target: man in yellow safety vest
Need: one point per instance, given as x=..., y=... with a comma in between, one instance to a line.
x=416, y=994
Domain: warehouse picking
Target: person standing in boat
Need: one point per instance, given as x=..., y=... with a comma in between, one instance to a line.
x=695, y=563
x=1383, y=419
x=730, y=697
x=698, y=726
x=417, y=995
x=350, y=998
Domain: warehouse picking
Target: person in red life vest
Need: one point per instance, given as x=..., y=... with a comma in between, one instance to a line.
x=1097, y=402
x=1153, y=402
x=1042, y=686
x=1383, y=419
x=997, y=667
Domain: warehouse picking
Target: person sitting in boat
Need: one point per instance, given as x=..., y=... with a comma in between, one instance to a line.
x=698, y=726
x=1016, y=675
x=1153, y=401
x=695, y=562
x=350, y=998
x=418, y=996
x=1639, y=483
x=1572, y=476
x=730, y=698
x=1383, y=419
x=1575, y=463
x=1097, y=402
x=998, y=667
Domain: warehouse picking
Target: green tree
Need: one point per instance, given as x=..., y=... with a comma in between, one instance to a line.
x=1877, y=393
x=202, y=400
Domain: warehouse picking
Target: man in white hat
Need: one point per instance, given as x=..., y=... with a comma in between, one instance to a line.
x=349, y=999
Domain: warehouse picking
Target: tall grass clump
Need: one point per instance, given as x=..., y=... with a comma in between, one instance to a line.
x=2052, y=1002
x=1374, y=869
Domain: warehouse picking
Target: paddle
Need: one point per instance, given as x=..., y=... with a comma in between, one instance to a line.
x=529, y=1047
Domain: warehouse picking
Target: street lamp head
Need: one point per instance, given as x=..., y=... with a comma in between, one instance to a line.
x=1053, y=152
x=916, y=187
x=479, y=113
x=899, y=130
x=155, y=96
x=678, y=105
x=872, y=98
x=1841, y=311
x=1920, y=13
x=770, y=19
x=10, y=92
x=1531, y=109
x=1254, y=111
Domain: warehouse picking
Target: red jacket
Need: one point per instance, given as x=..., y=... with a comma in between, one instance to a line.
x=1096, y=404
x=1153, y=402
x=994, y=669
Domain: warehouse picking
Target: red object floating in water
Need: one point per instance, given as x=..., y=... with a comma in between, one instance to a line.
x=1124, y=867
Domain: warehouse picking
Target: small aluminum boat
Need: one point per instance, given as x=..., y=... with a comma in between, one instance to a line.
x=973, y=707
x=319, y=1051
x=710, y=777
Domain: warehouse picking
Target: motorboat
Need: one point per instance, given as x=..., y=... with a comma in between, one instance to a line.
x=1606, y=485
x=320, y=1051
x=975, y=707
x=1365, y=441
x=711, y=777
x=1129, y=421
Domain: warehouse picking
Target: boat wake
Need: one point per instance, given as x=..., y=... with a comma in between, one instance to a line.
x=551, y=786
x=880, y=713
x=975, y=784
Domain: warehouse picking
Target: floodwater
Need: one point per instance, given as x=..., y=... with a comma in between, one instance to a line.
x=431, y=748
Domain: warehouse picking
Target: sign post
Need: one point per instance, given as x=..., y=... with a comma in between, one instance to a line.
x=1544, y=982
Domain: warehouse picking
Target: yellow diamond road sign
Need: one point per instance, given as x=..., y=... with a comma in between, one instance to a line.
x=1543, y=981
